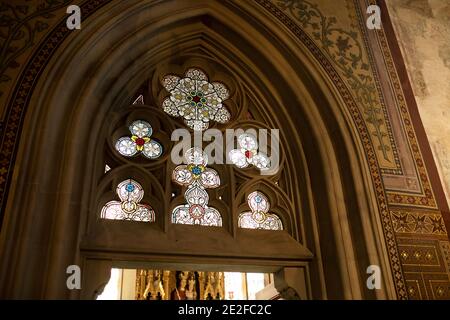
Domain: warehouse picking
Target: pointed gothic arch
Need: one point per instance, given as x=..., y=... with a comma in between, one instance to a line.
x=340, y=233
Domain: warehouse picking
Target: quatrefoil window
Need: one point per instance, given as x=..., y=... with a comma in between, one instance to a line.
x=259, y=217
x=248, y=153
x=139, y=142
x=129, y=207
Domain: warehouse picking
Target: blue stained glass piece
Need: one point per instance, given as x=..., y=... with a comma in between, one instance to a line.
x=130, y=187
x=258, y=199
x=196, y=170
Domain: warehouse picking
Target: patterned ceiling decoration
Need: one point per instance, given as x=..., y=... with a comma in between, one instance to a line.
x=366, y=69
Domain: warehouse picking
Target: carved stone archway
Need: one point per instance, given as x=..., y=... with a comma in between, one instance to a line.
x=337, y=221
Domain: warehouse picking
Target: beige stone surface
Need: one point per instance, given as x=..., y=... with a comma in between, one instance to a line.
x=423, y=32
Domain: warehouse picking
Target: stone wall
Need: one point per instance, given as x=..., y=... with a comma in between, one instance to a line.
x=422, y=28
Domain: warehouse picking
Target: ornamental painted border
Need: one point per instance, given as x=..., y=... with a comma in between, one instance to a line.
x=426, y=199
x=18, y=103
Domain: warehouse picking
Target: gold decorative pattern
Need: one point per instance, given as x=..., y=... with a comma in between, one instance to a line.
x=427, y=198
x=418, y=222
x=179, y=285
x=345, y=50
x=425, y=267
x=445, y=248
x=422, y=286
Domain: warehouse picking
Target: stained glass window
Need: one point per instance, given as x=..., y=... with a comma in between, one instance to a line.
x=129, y=207
x=197, y=177
x=248, y=153
x=139, y=142
x=195, y=99
x=259, y=217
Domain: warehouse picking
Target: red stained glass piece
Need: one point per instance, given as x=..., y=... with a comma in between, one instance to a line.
x=140, y=141
x=248, y=154
x=196, y=211
x=196, y=99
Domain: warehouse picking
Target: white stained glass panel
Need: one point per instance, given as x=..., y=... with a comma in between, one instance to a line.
x=141, y=128
x=196, y=156
x=246, y=221
x=221, y=90
x=126, y=147
x=247, y=142
x=170, y=82
x=196, y=74
x=259, y=220
x=152, y=149
x=261, y=161
x=238, y=158
x=181, y=175
x=258, y=202
x=130, y=190
x=210, y=178
x=222, y=116
x=196, y=215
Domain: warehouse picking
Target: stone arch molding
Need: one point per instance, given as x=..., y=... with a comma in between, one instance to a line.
x=338, y=233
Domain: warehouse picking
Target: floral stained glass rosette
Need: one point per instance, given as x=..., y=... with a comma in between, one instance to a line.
x=195, y=99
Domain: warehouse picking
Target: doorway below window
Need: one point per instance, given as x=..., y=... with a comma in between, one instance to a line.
x=139, y=284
